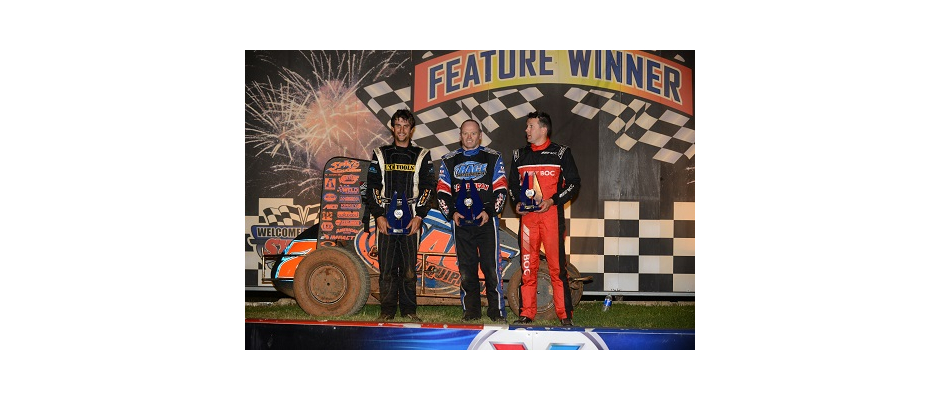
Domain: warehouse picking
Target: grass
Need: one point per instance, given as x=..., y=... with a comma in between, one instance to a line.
x=625, y=314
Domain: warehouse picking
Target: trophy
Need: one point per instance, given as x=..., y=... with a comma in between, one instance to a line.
x=531, y=193
x=398, y=214
x=468, y=203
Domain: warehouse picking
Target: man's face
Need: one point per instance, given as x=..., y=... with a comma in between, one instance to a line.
x=402, y=131
x=535, y=133
x=470, y=136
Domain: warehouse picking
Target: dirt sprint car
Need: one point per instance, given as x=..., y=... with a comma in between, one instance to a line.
x=331, y=268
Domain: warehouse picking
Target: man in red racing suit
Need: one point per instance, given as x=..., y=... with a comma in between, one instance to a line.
x=553, y=165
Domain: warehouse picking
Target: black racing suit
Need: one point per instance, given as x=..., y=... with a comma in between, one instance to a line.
x=407, y=170
x=476, y=245
x=553, y=165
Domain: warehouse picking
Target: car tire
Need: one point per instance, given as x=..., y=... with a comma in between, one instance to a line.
x=331, y=281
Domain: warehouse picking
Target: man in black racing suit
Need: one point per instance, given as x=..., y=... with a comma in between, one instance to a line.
x=406, y=169
x=476, y=236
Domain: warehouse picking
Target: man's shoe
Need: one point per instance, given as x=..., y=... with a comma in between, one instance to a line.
x=413, y=317
x=523, y=320
x=566, y=322
x=501, y=320
x=469, y=318
x=385, y=317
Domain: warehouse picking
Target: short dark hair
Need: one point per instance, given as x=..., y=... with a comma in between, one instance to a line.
x=544, y=120
x=405, y=115
x=479, y=127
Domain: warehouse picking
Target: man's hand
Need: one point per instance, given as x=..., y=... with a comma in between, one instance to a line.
x=381, y=225
x=545, y=205
x=519, y=209
x=483, y=215
x=414, y=226
x=457, y=218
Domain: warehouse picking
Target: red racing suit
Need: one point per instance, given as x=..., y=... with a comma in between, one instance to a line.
x=554, y=167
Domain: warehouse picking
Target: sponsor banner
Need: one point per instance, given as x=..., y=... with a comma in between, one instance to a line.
x=343, y=220
x=336, y=335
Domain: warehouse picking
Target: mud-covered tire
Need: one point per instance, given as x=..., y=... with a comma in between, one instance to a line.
x=575, y=284
x=545, y=307
x=331, y=281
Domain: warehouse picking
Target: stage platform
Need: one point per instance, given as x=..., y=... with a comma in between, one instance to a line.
x=268, y=334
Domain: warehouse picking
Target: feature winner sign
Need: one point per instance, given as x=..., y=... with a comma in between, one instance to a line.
x=460, y=73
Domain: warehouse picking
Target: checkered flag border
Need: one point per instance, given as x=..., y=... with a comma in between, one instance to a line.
x=439, y=128
x=383, y=99
x=639, y=121
x=291, y=215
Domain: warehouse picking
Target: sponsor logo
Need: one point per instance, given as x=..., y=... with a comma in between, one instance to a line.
x=275, y=245
x=349, y=179
x=525, y=265
x=400, y=167
x=349, y=199
x=344, y=166
x=480, y=186
x=546, y=173
x=329, y=184
x=348, y=222
x=441, y=274
x=349, y=190
x=331, y=206
x=347, y=214
x=326, y=226
x=523, y=339
x=326, y=216
x=338, y=237
x=347, y=231
x=471, y=170
x=329, y=197
x=346, y=206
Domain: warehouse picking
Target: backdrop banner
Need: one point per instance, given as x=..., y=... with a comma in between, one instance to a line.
x=628, y=117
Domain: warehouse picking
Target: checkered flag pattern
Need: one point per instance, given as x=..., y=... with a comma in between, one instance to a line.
x=625, y=252
x=639, y=121
x=383, y=99
x=291, y=215
x=439, y=128
x=517, y=103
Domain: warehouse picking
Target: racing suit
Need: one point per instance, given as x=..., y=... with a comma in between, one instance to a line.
x=407, y=170
x=553, y=165
x=476, y=245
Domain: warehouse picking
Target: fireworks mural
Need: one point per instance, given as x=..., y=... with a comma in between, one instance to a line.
x=299, y=115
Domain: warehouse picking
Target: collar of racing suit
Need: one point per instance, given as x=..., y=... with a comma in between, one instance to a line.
x=472, y=152
x=542, y=147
